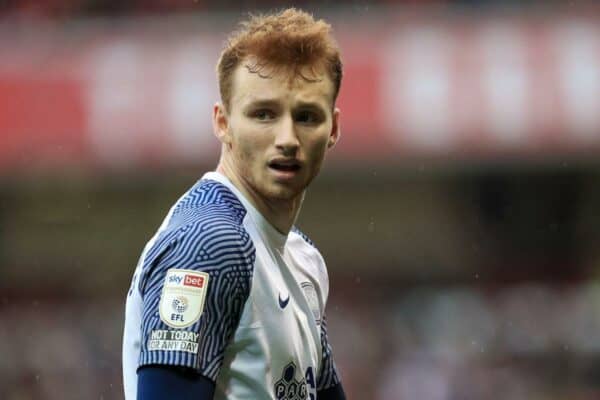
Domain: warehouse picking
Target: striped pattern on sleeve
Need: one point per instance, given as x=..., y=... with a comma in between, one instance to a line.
x=205, y=234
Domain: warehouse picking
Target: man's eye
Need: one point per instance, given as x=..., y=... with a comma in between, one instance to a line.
x=307, y=117
x=263, y=115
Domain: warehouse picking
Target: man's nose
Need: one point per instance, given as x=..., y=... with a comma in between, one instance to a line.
x=286, y=139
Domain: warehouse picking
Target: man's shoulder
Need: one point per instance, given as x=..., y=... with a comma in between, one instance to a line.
x=206, y=202
x=301, y=242
x=296, y=231
x=206, y=223
x=209, y=215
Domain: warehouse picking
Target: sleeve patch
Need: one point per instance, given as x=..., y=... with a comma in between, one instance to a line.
x=182, y=298
x=173, y=341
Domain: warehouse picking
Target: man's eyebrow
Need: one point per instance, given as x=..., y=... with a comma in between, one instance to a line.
x=310, y=105
x=275, y=103
x=256, y=102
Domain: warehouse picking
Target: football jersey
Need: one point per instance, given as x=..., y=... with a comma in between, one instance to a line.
x=220, y=290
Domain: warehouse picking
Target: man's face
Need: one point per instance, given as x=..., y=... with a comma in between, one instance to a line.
x=277, y=131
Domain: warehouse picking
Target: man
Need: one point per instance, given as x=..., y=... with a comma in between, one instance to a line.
x=228, y=299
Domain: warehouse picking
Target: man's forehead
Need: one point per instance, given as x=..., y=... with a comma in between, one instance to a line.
x=267, y=83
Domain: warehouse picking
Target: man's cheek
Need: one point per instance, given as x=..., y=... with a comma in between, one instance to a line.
x=243, y=152
x=317, y=153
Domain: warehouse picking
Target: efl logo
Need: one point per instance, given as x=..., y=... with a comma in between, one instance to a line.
x=196, y=281
x=182, y=298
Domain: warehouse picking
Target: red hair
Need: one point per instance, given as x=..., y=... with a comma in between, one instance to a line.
x=291, y=40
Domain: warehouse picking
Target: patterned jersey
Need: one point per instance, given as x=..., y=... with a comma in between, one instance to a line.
x=220, y=290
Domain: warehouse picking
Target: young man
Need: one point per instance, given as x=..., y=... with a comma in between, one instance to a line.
x=228, y=299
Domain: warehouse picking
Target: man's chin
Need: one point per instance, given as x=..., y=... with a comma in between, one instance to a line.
x=282, y=192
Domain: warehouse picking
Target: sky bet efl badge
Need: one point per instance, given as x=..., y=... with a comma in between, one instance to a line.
x=182, y=299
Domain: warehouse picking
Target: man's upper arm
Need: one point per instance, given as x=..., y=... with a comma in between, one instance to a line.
x=193, y=295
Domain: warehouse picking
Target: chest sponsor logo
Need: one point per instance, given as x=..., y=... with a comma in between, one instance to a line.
x=313, y=300
x=182, y=298
x=290, y=388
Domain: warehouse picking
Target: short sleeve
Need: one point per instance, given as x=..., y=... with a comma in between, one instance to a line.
x=193, y=292
x=328, y=374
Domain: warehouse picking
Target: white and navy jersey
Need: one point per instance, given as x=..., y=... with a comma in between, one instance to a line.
x=220, y=290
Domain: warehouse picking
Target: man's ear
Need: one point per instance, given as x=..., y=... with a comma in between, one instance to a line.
x=335, y=133
x=221, y=123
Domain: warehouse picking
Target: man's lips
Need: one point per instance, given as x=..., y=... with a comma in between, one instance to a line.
x=285, y=165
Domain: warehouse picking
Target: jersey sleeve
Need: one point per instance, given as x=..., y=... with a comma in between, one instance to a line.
x=194, y=289
x=328, y=374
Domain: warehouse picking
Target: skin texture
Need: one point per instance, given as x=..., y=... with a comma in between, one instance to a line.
x=275, y=118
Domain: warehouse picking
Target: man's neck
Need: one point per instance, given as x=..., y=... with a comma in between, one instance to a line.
x=281, y=214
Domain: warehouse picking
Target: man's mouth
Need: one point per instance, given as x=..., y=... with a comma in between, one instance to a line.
x=285, y=165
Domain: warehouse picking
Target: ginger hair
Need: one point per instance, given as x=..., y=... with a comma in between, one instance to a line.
x=290, y=40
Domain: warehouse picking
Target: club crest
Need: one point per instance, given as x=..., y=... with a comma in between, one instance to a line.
x=313, y=300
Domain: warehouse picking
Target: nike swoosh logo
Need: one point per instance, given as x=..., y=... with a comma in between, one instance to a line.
x=283, y=303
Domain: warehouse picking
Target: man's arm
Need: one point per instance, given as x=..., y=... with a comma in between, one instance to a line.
x=192, y=301
x=160, y=382
x=329, y=385
x=333, y=393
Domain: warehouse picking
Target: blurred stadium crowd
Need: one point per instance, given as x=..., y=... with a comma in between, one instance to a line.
x=458, y=218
